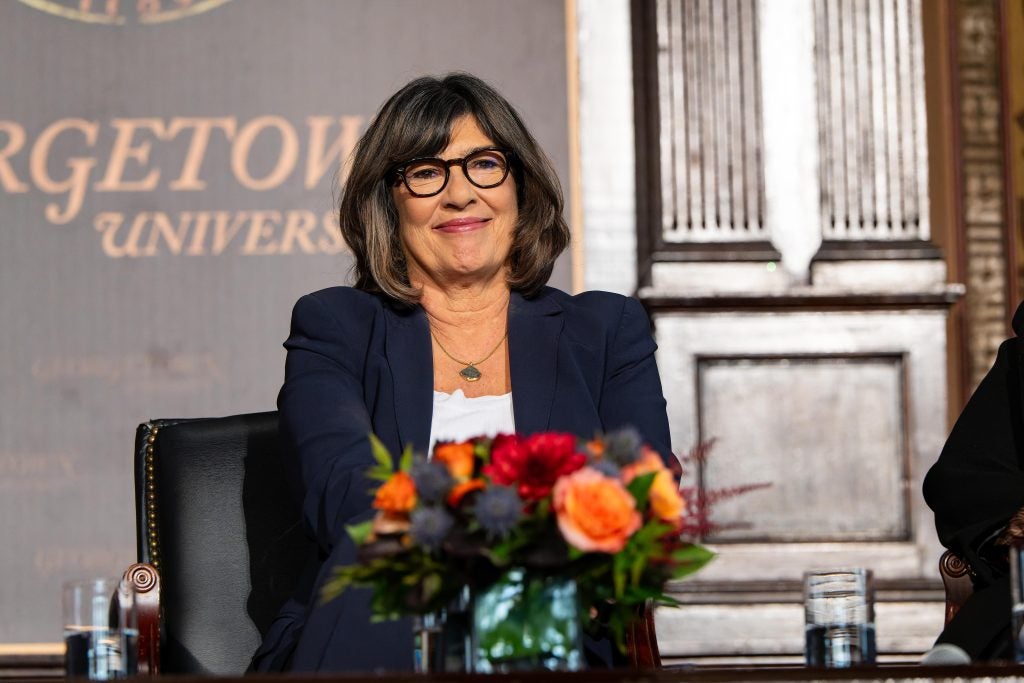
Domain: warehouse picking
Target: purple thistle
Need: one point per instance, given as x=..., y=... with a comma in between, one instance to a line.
x=498, y=509
x=432, y=479
x=429, y=526
x=607, y=468
x=623, y=445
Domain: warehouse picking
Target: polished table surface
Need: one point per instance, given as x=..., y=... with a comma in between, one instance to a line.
x=44, y=670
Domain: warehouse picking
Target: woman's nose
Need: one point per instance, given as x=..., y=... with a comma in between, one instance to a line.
x=459, y=192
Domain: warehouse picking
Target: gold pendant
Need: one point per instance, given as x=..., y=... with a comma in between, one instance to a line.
x=470, y=373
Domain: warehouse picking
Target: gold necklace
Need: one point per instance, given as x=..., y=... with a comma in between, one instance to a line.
x=470, y=373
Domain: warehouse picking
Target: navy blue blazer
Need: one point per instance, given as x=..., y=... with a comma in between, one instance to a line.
x=581, y=364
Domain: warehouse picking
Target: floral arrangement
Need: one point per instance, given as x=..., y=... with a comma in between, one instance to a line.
x=606, y=512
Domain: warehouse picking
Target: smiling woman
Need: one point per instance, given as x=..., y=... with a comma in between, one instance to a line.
x=454, y=216
x=459, y=233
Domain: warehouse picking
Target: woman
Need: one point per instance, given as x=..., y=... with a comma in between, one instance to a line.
x=977, y=492
x=454, y=216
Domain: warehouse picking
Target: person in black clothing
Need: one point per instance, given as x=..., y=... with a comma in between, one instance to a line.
x=976, y=489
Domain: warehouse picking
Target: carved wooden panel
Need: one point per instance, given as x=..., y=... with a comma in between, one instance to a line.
x=827, y=432
x=849, y=403
x=985, y=233
x=874, y=166
x=712, y=186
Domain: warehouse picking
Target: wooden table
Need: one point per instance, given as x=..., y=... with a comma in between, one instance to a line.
x=49, y=668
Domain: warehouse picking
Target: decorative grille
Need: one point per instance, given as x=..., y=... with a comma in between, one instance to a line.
x=710, y=108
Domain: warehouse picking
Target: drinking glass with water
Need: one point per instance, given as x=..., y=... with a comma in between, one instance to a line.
x=100, y=629
x=1017, y=597
x=840, y=618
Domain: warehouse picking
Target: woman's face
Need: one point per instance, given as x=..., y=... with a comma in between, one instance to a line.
x=463, y=234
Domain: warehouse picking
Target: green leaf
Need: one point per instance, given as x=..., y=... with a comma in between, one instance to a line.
x=381, y=453
x=636, y=570
x=690, y=559
x=482, y=451
x=360, y=532
x=620, y=565
x=640, y=487
x=405, y=464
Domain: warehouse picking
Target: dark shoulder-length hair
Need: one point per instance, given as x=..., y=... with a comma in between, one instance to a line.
x=417, y=121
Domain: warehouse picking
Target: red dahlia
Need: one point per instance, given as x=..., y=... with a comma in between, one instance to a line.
x=532, y=465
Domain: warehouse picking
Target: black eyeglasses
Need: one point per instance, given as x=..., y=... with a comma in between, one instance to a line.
x=427, y=176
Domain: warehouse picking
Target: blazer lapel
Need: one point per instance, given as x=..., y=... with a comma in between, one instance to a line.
x=407, y=348
x=534, y=327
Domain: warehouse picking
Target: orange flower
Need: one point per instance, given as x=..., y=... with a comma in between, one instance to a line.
x=595, y=513
x=456, y=495
x=457, y=457
x=396, y=495
x=665, y=500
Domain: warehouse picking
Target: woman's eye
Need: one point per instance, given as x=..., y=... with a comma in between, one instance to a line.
x=487, y=163
x=423, y=173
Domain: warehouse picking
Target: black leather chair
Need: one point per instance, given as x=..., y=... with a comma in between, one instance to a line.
x=221, y=547
x=220, y=542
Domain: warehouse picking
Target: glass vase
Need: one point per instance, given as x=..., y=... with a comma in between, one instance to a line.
x=526, y=621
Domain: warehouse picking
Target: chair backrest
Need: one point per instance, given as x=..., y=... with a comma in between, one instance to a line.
x=215, y=517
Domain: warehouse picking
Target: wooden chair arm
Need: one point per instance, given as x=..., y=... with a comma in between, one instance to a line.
x=147, y=597
x=956, y=579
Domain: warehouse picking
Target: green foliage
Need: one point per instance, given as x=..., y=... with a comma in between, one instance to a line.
x=408, y=578
x=405, y=463
x=690, y=559
x=640, y=488
x=360, y=533
x=385, y=466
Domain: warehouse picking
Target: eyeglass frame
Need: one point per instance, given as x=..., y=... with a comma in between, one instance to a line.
x=398, y=171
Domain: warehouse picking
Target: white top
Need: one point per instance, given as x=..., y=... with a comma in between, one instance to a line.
x=457, y=418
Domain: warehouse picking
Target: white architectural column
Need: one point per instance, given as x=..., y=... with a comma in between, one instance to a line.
x=607, y=145
x=790, y=115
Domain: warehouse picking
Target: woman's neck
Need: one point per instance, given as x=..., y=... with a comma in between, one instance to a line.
x=456, y=310
x=469, y=327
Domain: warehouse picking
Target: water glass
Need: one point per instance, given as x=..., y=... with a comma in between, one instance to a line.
x=101, y=629
x=1017, y=598
x=840, y=618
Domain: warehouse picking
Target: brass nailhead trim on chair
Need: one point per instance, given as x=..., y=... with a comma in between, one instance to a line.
x=153, y=540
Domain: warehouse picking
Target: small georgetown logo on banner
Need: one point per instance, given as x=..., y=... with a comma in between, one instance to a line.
x=120, y=12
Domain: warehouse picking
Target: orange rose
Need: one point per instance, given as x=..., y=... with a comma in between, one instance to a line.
x=665, y=500
x=595, y=513
x=396, y=495
x=457, y=457
x=456, y=495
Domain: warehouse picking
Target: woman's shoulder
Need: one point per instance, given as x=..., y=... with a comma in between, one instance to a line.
x=595, y=313
x=349, y=297
x=344, y=303
x=344, y=308
x=592, y=302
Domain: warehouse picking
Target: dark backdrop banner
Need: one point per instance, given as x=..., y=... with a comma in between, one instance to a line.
x=167, y=190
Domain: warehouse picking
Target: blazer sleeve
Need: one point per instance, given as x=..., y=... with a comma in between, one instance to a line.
x=632, y=393
x=977, y=483
x=324, y=418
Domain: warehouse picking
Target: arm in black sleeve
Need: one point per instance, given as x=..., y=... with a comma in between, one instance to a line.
x=324, y=419
x=978, y=483
x=632, y=393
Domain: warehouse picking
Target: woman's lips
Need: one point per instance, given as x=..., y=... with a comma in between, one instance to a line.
x=462, y=224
